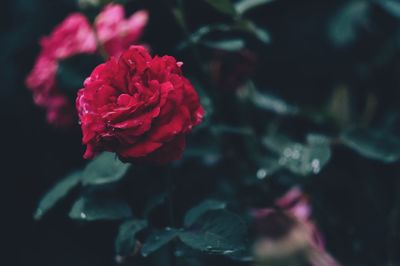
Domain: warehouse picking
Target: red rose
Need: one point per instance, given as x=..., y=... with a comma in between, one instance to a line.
x=139, y=107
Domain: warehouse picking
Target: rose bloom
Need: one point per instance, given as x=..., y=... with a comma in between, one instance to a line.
x=117, y=33
x=72, y=37
x=139, y=107
x=287, y=236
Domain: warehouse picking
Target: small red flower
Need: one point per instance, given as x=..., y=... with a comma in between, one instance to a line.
x=139, y=107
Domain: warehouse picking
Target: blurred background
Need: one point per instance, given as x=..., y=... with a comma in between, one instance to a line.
x=343, y=55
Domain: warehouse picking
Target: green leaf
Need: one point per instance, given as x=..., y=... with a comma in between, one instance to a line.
x=243, y=255
x=271, y=103
x=224, y=6
x=299, y=158
x=345, y=25
x=261, y=34
x=157, y=240
x=230, y=45
x=391, y=6
x=245, y=5
x=373, y=144
x=155, y=202
x=56, y=193
x=193, y=214
x=216, y=231
x=105, y=168
x=93, y=208
x=126, y=241
x=72, y=72
x=205, y=30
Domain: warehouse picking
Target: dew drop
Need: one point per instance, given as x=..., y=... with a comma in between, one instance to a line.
x=226, y=252
x=316, y=166
x=179, y=253
x=296, y=154
x=38, y=213
x=119, y=259
x=287, y=152
x=262, y=173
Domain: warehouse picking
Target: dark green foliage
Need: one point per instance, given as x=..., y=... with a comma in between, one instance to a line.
x=224, y=6
x=105, y=168
x=158, y=239
x=56, y=193
x=374, y=144
x=126, y=238
x=193, y=214
x=216, y=231
x=318, y=110
x=92, y=209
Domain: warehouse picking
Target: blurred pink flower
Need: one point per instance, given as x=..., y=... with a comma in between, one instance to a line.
x=117, y=33
x=287, y=232
x=73, y=36
x=295, y=202
x=41, y=80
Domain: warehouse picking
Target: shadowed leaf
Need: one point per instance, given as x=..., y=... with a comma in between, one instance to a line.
x=373, y=144
x=105, y=168
x=193, y=214
x=216, y=231
x=157, y=240
x=126, y=241
x=91, y=209
x=56, y=193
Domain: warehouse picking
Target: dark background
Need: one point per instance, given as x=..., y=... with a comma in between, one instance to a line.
x=301, y=65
